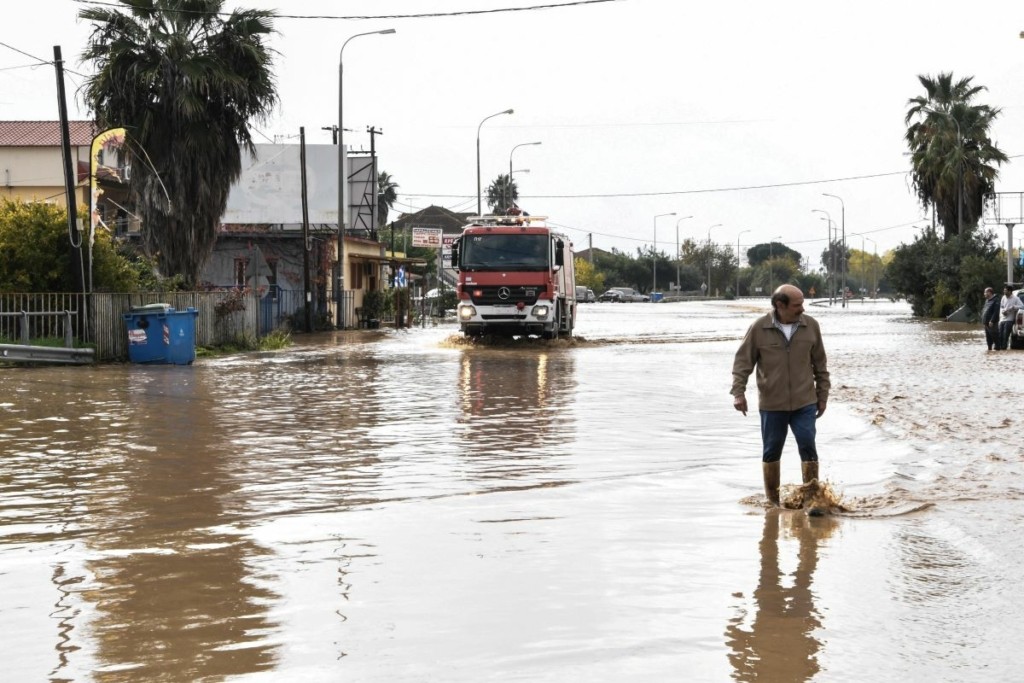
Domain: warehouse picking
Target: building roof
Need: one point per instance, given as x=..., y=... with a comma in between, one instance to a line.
x=434, y=216
x=45, y=133
x=586, y=253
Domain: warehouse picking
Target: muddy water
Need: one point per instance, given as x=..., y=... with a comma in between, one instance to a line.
x=410, y=507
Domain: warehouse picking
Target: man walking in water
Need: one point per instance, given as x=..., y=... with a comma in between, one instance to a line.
x=786, y=349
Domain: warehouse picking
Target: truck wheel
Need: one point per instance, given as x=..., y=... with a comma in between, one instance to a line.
x=556, y=325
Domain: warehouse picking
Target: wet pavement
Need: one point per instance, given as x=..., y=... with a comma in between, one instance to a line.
x=408, y=506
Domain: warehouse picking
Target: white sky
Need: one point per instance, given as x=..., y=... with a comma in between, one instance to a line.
x=643, y=107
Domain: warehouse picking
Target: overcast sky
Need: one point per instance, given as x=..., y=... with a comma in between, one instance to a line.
x=739, y=114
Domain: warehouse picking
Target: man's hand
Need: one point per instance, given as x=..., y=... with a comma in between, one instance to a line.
x=740, y=403
x=821, y=407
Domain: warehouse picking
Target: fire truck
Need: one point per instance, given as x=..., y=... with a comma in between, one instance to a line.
x=516, y=277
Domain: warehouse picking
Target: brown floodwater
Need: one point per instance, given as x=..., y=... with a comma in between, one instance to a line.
x=408, y=506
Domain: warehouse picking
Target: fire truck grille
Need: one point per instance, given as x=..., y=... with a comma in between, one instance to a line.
x=498, y=296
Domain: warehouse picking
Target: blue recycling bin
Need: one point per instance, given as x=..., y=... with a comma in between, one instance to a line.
x=159, y=334
x=657, y=296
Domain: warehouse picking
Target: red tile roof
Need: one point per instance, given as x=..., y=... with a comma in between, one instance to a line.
x=45, y=133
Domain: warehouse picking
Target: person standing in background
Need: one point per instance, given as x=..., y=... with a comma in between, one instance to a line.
x=990, y=318
x=1008, y=307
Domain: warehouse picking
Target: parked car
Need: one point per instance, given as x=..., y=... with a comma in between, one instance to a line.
x=585, y=295
x=623, y=295
x=1017, y=331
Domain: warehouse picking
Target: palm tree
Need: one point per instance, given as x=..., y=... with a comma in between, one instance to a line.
x=387, y=195
x=184, y=80
x=953, y=159
x=502, y=194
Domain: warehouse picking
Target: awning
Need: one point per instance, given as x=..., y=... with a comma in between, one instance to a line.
x=400, y=260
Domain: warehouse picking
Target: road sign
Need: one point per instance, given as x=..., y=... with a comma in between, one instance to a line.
x=426, y=237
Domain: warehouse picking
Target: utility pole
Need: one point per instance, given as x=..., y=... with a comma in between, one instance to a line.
x=78, y=269
x=373, y=181
x=305, y=231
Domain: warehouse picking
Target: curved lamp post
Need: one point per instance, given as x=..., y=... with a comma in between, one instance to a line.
x=716, y=225
x=510, y=171
x=654, y=254
x=874, y=269
x=843, y=264
x=863, y=255
x=678, y=256
x=479, y=206
x=742, y=232
x=832, y=253
x=342, y=213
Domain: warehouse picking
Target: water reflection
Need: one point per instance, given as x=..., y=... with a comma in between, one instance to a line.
x=515, y=419
x=779, y=642
x=173, y=590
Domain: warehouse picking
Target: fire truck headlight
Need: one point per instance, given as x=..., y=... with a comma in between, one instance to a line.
x=540, y=312
x=466, y=312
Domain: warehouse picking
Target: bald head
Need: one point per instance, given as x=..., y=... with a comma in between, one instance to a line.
x=788, y=303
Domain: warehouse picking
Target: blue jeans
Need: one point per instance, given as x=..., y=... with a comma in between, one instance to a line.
x=1005, y=329
x=775, y=426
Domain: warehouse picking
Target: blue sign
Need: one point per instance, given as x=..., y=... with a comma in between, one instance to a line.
x=400, y=280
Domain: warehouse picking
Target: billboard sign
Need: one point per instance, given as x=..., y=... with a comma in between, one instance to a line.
x=426, y=237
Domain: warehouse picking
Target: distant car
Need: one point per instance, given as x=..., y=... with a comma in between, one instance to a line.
x=623, y=295
x=1017, y=331
x=585, y=295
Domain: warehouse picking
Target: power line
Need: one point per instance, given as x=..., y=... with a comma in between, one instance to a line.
x=40, y=60
x=679, y=192
x=362, y=17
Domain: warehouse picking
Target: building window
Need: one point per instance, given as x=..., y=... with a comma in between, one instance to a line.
x=241, y=263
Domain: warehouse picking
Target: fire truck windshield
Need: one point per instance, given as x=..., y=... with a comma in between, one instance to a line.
x=496, y=251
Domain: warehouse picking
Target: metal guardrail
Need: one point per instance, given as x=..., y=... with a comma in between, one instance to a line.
x=27, y=353
x=23, y=353
x=69, y=338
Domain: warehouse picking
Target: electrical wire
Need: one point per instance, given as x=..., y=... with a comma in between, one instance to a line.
x=364, y=17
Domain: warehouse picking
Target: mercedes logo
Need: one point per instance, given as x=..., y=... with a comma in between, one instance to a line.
x=504, y=293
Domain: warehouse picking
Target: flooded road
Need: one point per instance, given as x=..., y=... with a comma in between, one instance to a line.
x=406, y=506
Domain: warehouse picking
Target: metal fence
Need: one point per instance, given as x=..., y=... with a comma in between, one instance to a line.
x=224, y=316
x=98, y=319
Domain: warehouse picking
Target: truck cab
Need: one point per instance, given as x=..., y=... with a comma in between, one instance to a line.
x=516, y=277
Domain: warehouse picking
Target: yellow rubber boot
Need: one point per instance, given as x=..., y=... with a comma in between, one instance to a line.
x=810, y=473
x=809, y=470
x=772, y=473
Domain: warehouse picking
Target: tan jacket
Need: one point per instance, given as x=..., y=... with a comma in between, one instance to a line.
x=789, y=376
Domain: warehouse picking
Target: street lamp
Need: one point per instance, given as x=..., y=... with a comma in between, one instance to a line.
x=874, y=270
x=742, y=232
x=679, y=277
x=654, y=254
x=716, y=225
x=863, y=255
x=843, y=205
x=832, y=253
x=522, y=144
x=342, y=213
x=479, y=208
